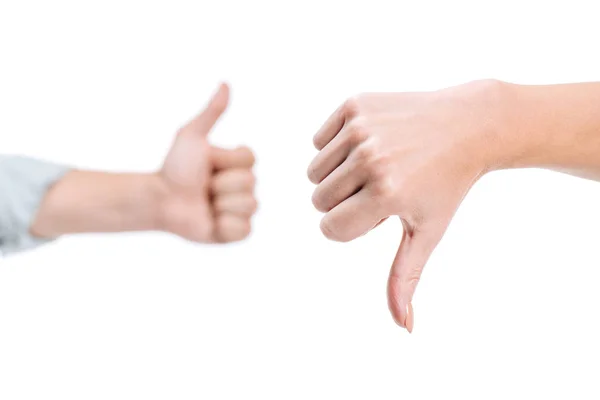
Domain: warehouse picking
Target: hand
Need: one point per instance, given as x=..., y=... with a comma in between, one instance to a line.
x=414, y=155
x=210, y=190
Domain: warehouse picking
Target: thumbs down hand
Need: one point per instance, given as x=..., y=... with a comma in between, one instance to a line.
x=411, y=155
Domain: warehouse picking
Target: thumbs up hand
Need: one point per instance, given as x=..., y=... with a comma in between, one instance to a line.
x=411, y=155
x=211, y=189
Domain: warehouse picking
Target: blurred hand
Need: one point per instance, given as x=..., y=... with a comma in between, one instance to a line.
x=412, y=155
x=210, y=190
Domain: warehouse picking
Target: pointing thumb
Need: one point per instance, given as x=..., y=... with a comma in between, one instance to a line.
x=412, y=255
x=203, y=122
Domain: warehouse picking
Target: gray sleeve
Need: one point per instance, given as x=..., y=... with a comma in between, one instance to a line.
x=23, y=184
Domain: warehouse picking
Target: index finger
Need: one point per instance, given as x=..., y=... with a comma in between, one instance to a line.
x=335, y=123
x=241, y=157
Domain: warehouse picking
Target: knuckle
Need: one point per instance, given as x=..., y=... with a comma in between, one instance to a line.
x=378, y=167
x=384, y=189
x=358, y=131
x=413, y=277
x=351, y=107
x=365, y=152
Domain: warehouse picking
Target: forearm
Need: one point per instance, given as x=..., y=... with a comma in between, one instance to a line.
x=555, y=127
x=85, y=201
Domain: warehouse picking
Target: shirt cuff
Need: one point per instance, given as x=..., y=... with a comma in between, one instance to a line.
x=23, y=185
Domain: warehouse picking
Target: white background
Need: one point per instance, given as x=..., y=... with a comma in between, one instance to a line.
x=508, y=304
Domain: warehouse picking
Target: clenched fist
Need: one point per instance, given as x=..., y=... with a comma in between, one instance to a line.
x=210, y=189
x=411, y=155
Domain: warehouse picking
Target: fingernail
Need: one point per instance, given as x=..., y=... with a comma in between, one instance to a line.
x=409, y=319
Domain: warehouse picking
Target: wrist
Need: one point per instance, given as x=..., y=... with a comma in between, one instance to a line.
x=502, y=140
x=520, y=127
x=153, y=193
x=479, y=114
x=510, y=124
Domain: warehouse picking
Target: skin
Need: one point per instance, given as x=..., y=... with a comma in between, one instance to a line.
x=417, y=155
x=202, y=193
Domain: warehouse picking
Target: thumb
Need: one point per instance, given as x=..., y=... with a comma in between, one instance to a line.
x=412, y=255
x=203, y=122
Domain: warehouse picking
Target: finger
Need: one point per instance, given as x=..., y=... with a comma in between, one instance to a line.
x=352, y=218
x=233, y=180
x=331, y=157
x=241, y=157
x=231, y=228
x=351, y=136
x=414, y=251
x=342, y=183
x=204, y=121
x=334, y=123
x=243, y=205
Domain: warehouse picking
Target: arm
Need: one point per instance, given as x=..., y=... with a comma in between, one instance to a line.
x=86, y=201
x=202, y=193
x=416, y=156
x=555, y=127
